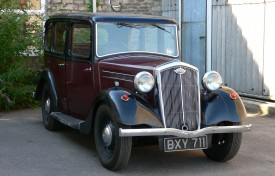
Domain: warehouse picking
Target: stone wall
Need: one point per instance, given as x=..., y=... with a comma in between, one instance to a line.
x=151, y=7
x=66, y=6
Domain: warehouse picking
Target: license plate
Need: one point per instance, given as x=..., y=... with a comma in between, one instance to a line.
x=179, y=144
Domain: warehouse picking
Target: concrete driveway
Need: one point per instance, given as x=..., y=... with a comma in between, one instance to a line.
x=28, y=149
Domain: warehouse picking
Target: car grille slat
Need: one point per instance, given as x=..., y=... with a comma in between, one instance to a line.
x=180, y=98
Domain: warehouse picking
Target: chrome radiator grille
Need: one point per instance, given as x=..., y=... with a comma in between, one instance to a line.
x=179, y=97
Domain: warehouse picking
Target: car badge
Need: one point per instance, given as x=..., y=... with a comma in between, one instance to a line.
x=180, y=71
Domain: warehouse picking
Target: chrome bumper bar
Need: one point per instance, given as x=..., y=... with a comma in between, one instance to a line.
x=183, y=134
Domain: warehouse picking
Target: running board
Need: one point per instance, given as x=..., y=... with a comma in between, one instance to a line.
x=67, y=120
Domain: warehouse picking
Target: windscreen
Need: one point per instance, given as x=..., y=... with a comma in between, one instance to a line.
x=115, y=38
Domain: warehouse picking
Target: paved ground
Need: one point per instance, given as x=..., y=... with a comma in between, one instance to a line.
x=27, y=149
x=259, y=106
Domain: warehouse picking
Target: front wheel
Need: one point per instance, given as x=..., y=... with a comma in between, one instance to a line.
x=113, y=151
x=47, y=107
x=224, y=146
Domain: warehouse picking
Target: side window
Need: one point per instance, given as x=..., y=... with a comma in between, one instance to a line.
x=48, y=37
x=60, y=37
x=81, y=40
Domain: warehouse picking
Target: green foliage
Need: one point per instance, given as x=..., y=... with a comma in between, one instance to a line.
x=9, y=4
x=17, y=85
x=20, y=33
x=11, y=41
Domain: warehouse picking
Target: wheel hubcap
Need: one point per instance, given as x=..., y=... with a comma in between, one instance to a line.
x=47, y=105
x=107, y=135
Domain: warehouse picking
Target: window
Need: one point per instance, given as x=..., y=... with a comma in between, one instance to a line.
x=48, y=37
x=81, y=40
x=60, y=37
x=31, y=4
x=114, y=38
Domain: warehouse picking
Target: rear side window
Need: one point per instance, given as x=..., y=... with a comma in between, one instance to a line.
x=81, y=40
x=48, y=37
x=59, y=37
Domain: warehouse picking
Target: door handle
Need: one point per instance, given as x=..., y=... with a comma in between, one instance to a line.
x=61, y=65
x=88, y=69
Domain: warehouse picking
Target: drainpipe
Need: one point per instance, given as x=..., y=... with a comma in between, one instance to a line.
x=180, y=29
x=208, y=35
x=43, y=6
x=94, y=6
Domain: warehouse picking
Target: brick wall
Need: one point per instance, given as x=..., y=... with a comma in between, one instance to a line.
x=151, y=7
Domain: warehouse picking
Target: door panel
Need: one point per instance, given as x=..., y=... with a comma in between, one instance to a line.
x=55, y=47
x=57, y=68
x=79, y=70
x=79, y=86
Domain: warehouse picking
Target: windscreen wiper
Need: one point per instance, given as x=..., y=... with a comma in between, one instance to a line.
x=161, y=28
x=122, y=24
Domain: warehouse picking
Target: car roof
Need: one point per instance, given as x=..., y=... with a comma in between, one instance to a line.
x=114, y=17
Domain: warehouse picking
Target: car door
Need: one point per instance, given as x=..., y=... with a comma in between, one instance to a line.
x=79, y=70
x=55, y=47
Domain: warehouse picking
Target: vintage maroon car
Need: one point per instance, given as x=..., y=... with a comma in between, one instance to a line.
x=119, y=78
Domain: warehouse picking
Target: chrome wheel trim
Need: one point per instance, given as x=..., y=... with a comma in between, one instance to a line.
x=107, y=135
x=47, y=105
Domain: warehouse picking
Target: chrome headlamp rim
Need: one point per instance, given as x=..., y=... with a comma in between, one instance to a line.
x=209, y=87
x=136, y=82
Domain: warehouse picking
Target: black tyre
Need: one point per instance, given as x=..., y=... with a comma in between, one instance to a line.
x=113, y=151
x=224, y=146
x=47, y=107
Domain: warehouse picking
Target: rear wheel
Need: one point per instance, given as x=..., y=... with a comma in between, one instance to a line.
x=47, y=107
x=113, y=151
x=224, y=146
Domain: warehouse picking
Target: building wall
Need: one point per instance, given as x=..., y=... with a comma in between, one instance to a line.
x=193, y=29
x=242, y=45
x=151, y=7
x=54, y=6
x=194, y=33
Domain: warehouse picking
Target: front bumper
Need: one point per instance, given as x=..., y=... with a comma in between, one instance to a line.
x=183, y=134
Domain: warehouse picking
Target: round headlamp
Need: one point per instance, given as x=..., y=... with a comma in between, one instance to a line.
x=144, y=82
x=212, y=81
